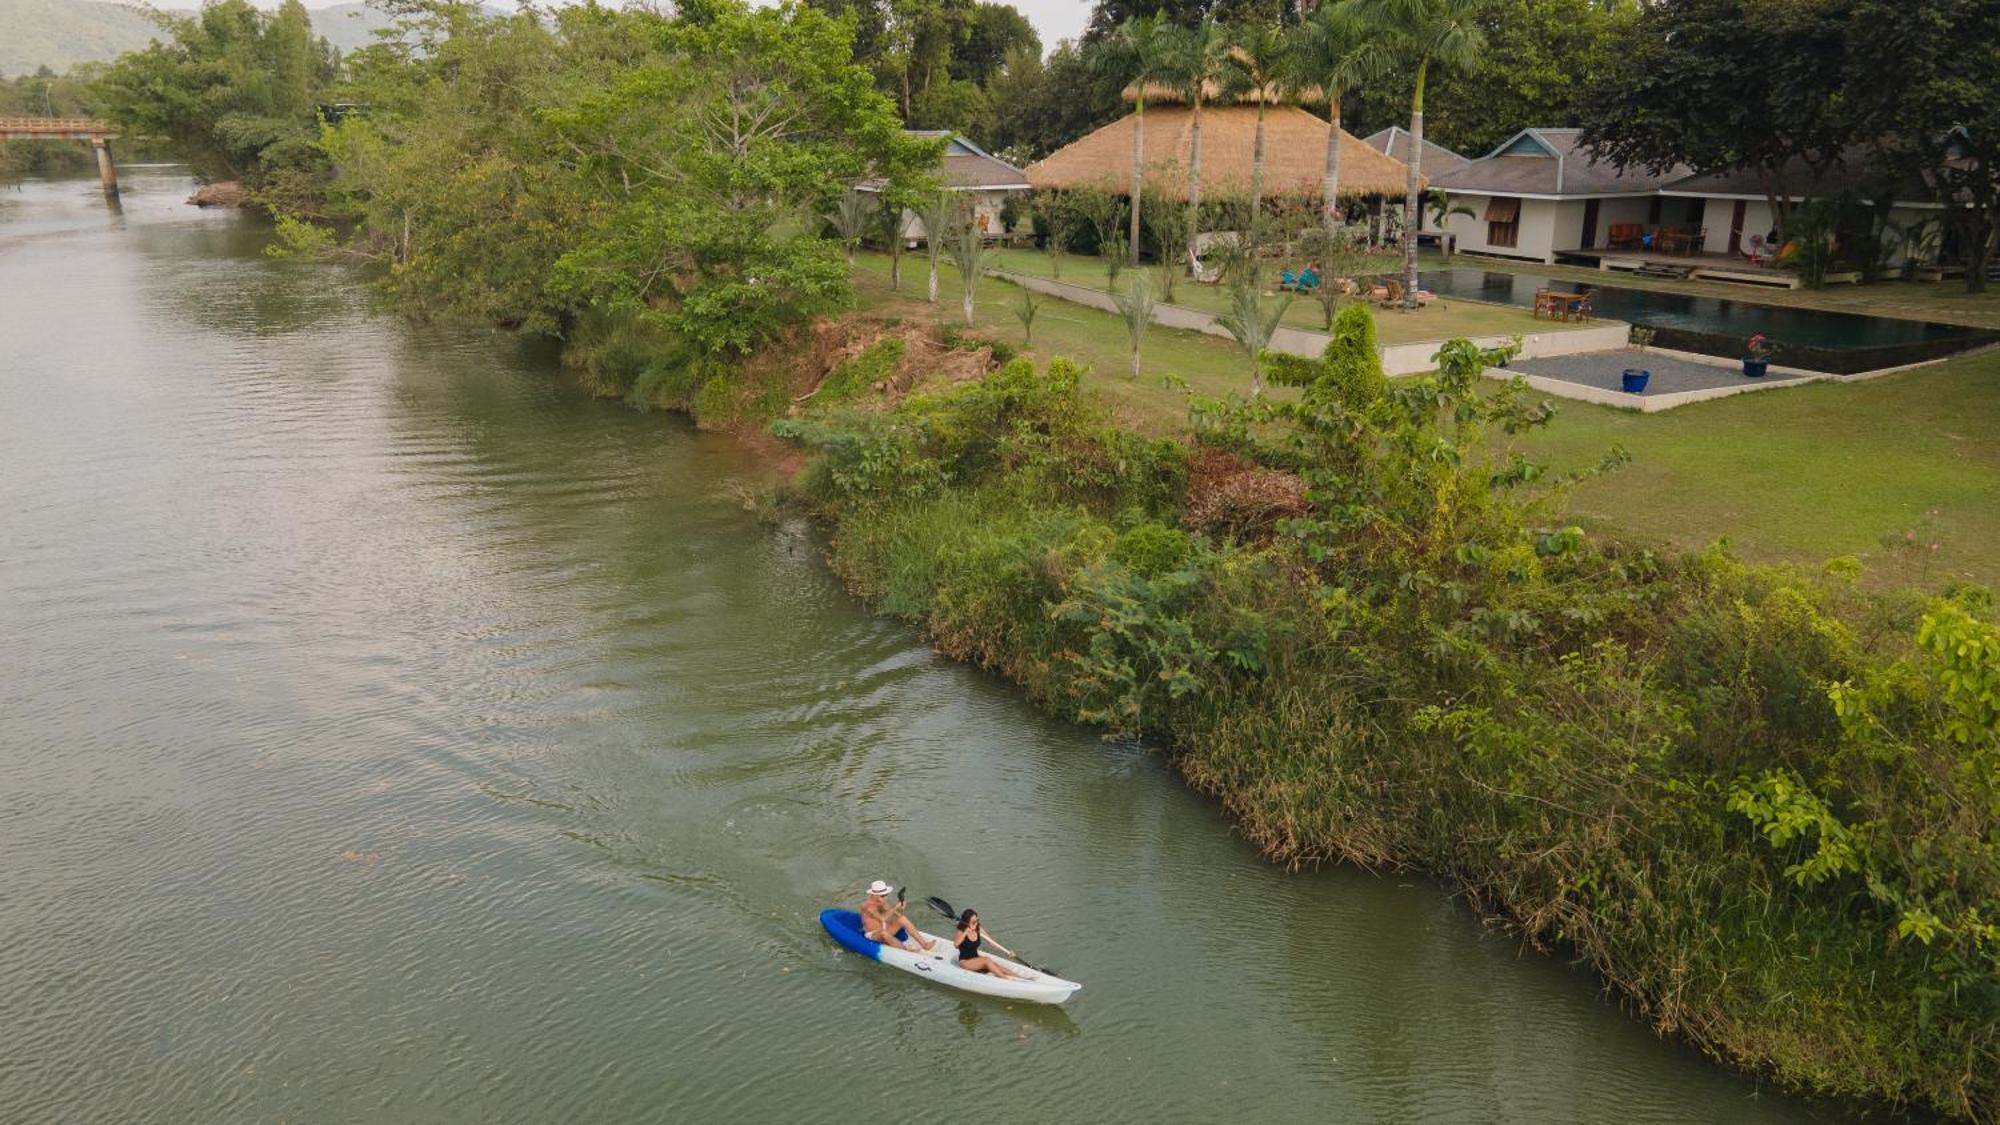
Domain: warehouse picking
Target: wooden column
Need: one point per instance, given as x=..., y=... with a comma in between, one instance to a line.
x=107, y=172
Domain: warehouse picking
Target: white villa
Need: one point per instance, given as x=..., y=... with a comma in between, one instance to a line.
x=968, y=169
x=1541, y=197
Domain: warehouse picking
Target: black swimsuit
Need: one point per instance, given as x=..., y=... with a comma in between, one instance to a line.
x=968, y=949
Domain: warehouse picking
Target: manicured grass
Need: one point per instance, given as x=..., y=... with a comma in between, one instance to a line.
x=1440, y=320
x=1804, y=474
x=1810, y=473
x=1946, y=302
x=1210, y=366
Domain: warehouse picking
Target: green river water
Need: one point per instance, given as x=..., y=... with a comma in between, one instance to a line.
x=389, y=733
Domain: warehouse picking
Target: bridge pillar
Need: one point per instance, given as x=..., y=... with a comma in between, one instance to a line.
x=107, y=172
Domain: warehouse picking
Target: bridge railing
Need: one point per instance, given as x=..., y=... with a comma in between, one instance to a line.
x=57, y=127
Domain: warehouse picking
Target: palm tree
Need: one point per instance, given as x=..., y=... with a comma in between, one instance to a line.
x=1260, y=67
x=1426, y=33
x=1439, y=204
x=1337, y=50
x=936, y=214
x=1200, y=62
x=1252, y=325
x=850, y=218
x=1140, y=53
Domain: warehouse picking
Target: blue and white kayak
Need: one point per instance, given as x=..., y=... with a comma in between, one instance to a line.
x=940, y=963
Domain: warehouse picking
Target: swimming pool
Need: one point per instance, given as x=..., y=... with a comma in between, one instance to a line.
x=1842, y=343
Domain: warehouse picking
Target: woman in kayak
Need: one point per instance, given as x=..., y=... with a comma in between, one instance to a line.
x=968, y=937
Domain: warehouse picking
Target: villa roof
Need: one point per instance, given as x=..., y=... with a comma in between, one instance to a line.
x=1294, y=155
x=1553, y=162
x=966, y=166
x=1395, y=141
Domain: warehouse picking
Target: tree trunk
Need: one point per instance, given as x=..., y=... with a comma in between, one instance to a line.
x=933, y=287
x=1978, y=230
x=968, y=308
x=1410, y=214
x=1135, y=363
x=1194, y=179
x=1138, y=166
x=1256, y=191
x=1329, y=188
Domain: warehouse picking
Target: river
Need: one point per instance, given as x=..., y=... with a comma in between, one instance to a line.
x=389, y=733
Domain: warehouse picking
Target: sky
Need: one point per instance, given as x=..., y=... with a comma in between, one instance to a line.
x=1055, y=19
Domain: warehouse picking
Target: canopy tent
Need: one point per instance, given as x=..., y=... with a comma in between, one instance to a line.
x=1294, y=155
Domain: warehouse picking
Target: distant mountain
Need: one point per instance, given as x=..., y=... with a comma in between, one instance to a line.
x=346, y=26
x=59, y=34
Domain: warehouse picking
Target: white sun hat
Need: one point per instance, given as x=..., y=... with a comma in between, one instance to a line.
x=878, y=887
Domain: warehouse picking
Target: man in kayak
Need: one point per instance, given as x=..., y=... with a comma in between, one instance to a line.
x=881, y=919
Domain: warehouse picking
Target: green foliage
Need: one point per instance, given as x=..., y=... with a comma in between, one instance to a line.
x=1151, y=549
x=235, y=88
x=857, y=375
x=1767, y=806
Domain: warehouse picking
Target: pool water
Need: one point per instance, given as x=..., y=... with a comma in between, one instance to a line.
x=1821, y=341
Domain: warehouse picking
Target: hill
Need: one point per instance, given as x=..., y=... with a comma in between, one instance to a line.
x=59, y=34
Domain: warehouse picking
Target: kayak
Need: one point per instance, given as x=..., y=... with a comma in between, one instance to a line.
x=940, y=964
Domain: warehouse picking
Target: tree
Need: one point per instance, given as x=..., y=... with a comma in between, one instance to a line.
x=1140, y=53
x=1337, y=50
x=850, y=218
x=1439, y=204
x=1251, y=325
x=1200, y=60
x=232, y=87
x=1107, y=15
x=1260, y=67
x=1135, y=308
x=1720, y=85
x=1938, y=122
x=1444, y=34
x=937, y=213
x=1041, y=105
x=968, y=252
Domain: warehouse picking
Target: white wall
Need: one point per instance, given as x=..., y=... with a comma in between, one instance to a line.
x=1538, y=227
x=1620, y=211
x=985, y=205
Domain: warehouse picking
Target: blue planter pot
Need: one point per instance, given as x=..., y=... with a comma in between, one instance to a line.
x=1634, y=380
x=1755, y=368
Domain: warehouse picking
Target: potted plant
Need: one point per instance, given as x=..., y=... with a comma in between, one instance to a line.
x=1756, y=356
x=1633, y=380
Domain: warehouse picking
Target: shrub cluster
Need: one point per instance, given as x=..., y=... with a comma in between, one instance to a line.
x=1765, y=805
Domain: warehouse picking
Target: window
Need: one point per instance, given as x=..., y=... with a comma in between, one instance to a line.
x=1503, y=221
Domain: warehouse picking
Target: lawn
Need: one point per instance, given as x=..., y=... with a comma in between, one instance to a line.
x=1803, y=474
x=1810, y=473
x=1440, y=320
x=1210, y=366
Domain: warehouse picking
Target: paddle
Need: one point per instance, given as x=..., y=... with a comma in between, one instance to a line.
x=944, y=908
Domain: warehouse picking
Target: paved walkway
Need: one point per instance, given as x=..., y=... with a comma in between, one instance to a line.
x=1671, y=374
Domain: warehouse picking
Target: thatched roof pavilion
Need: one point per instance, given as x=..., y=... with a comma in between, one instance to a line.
x=1294, y=155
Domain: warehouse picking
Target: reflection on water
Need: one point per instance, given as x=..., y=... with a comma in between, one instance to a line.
x=391, y=734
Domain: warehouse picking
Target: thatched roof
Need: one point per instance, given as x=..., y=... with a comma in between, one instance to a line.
x=1294, y=155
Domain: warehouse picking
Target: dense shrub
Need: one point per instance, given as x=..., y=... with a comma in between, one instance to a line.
x=1764, y=804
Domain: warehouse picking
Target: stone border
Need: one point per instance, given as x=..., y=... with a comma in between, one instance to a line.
x=1397, y=359
x=1653, y=404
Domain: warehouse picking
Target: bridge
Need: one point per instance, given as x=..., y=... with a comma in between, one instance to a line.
x=98, y=133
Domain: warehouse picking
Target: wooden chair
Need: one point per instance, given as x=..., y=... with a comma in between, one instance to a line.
x=1625, y=236
x=1578, y=306
x=1545, y=303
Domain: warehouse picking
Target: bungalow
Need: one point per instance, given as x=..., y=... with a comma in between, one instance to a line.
x=1541, y=196
x=982, y=178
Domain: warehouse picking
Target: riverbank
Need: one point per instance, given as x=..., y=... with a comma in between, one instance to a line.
x=1375, y=656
